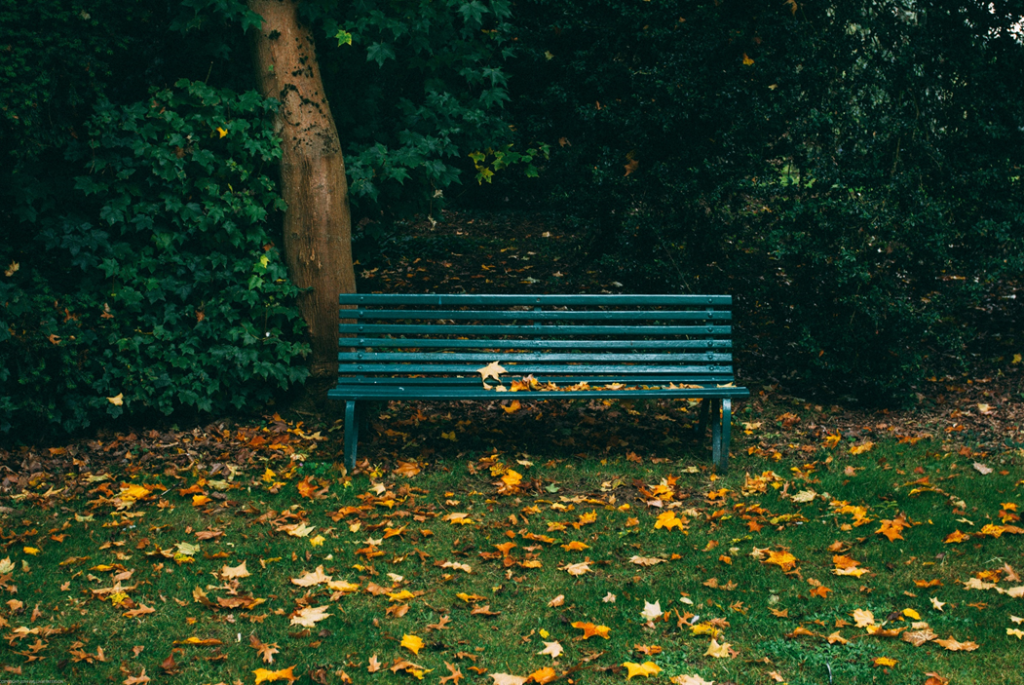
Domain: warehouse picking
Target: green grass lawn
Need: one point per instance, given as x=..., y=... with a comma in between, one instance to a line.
x=181, y=560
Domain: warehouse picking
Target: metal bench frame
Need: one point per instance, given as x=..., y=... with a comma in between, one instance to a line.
x=429, y=347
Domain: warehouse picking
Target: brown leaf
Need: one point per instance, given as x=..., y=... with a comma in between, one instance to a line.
x=454, y=674
x=266, y=651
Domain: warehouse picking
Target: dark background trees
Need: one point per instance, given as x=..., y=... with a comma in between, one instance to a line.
x=851, y=172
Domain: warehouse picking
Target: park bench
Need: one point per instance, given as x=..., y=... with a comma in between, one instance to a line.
x=433, y=347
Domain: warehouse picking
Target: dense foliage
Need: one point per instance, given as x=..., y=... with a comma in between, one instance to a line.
x=158, y=286
x=850, y=171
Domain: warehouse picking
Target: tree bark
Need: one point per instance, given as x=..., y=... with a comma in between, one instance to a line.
x=317, y=223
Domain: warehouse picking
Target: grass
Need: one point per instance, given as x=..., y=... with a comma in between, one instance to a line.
x=385, y=529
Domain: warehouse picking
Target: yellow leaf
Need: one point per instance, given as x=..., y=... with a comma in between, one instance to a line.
x=1016, y=359
x=31, y=550
x=265, y=676
x=317, y=541
x=746, y=60
x=718, y=651
x=117, y=400
x=885, y=661
x=513, y=408
x=861, y=449
x=15, y=266
x=669, y=520
x=222, y=131
x=412, y=643
x=645, y=669
x=910, y=613
x=492, y=370
x=1015, y=632
x=199, y=500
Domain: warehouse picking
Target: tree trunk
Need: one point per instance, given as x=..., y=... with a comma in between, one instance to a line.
x=317, y=223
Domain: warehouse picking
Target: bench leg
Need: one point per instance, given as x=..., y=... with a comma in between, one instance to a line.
x=702, y=421
x=720, y=451
x=716, y=431
x=351, y=434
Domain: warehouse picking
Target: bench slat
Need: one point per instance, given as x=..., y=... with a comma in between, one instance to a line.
x=482, y=343
x=454, y=394
x=534, y=331
x=487, y=357
x=524, y=369
x=387, y=299
x=541, y=315
x=708, y=380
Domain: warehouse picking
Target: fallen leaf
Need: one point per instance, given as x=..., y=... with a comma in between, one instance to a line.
x=645, y=669
x=718, y=651
x=552, y=649
x=590, y=630
x=309, y=616
x=265, y=676
x=413, y=643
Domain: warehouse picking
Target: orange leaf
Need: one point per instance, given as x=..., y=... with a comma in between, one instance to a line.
x=590, y=630
x=543, y=675
x=265, y=676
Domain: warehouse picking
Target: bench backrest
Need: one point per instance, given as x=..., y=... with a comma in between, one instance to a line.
x=562, y=338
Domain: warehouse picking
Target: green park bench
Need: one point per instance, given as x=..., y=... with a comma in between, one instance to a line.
x=432, y=347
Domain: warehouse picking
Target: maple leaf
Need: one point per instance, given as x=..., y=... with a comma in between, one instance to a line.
x=862, y=448
x=1015, y=632
x=229, y=572
x=918, y=637
x=552, y=649
x=590, y=630
x=884, y=661
x=863, y=618
x=836, y=638
x=955, y=646
x=266, y=651
x=141, y=611
x=544, y=675
x=455, y=674
x=492, y=370
x=460, y=519
x=782, y=558
x=298, y=530
x=265, y=676
x=575, y=546
x=651, y=611
x=669, y=520
x=413, y=643
x=407, y=469
x=645, y=669
x=690, y=680
x=718, y=651
x=576, y=569
x=309, y=616
x=645, y=561
x=956, y=537
x=507, y=679
x=891, y=528
x=140, y=679
x=312, y=578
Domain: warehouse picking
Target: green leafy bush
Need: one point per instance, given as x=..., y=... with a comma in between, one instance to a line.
x=155, y=284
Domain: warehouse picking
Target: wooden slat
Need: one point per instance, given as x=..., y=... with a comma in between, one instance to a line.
x=523, y=369
x=487, y=357
x=534, y=332
x=388, y=300
x=533, y=315
x=454, y=394
x=483, y=343
x=709, y=380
